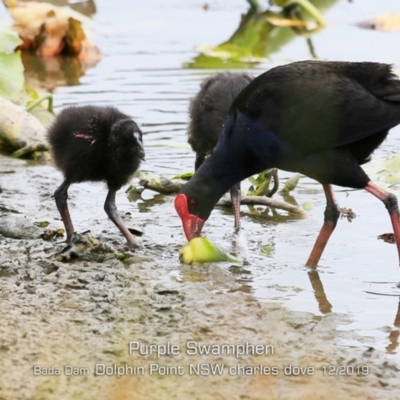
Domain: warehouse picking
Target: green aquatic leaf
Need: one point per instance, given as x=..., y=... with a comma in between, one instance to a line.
x=387, y=171
x=262, y=33
x=208, y=61
x=133, y=189
x=307, y=7
x=268, y=250
x=42, y=224
x=392, y=165
x=291, y=183
x=201, y=250
x=11, y=67
x=11, y=75
x=308, y=205
x=254, y=181
x=252, y=43
x=185, y=176
x=9, y=40
x=260, y=184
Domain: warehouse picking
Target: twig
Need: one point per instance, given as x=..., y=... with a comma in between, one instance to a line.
x=265, y=201
x=40, y=100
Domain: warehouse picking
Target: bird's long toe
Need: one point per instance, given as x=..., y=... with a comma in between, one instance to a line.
x=133, y=245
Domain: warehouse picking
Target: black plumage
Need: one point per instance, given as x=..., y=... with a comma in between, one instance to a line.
x=92, y=143
x=208, y=111
x=322, y=119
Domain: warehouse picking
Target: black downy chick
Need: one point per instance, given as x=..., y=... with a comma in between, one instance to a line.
x=208, y=111
x=94, y=143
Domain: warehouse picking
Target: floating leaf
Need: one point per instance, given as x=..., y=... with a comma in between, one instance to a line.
x=42, y=224
x=9, y=40
x=11, y=67
x=185, y=176
x=387, y=171
x=260, y=185
x=268, y=250
x=133, y=189
x=202, y=250
x=308, y=205
x=263, y=33
x=11, y=75
x=291, y=183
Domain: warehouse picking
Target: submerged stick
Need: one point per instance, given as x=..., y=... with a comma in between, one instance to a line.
x=265, y=201
x=161, y=184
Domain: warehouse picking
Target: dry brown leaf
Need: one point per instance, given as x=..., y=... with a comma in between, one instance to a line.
x=385, y=22
x=49, y=30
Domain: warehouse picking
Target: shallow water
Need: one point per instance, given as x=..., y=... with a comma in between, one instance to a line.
x=145, y=47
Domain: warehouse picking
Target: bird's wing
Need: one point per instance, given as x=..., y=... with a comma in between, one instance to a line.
x=317, y=108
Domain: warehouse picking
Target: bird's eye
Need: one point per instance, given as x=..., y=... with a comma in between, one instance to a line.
x=192, y=202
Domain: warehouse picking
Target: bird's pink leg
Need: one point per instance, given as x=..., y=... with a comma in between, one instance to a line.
x=111, y=210
x=390, y=201
x=235, y=197
x=331, y=216
x=61, y=197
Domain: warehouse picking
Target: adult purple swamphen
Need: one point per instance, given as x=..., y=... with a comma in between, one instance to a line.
x=322, y=119
x=207, y=111
x=92, y=143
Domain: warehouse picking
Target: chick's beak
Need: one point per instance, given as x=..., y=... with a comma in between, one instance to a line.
x=192, y=224
x=141, y=153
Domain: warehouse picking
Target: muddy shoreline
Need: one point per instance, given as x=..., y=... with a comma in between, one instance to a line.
x=76, y=315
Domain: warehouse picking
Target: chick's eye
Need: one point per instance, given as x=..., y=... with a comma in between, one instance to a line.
x=192, y=202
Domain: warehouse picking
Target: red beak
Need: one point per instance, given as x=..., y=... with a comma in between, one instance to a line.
x=192, y=224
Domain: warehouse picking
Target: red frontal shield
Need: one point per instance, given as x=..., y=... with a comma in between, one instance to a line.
x=192, y=224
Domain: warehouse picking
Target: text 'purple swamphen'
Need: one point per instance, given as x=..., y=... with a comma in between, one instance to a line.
x=92, y=143
x=322, y=119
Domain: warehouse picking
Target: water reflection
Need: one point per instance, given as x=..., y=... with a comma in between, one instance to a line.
x=259, y=34
x=48, y=70
x=325, y=307
x=145, y=205
x=52, y=72
x=319, y=293
x=395, y=333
